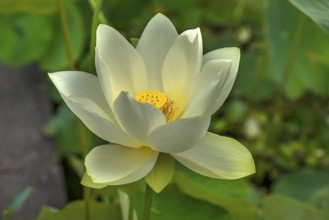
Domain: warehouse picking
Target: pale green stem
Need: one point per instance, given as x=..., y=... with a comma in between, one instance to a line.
x=87, y=197
x=97, y=10
x=147, y=202
x=101, y=16
x=68, y=46
x=85, y=138
x=239, y=9
x=294, y=50
x=265, y=56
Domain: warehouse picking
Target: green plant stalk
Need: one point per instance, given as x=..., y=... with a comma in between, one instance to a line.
x=147, y=202
x=97, y=10
x=264, y=60
x=261, y=66
x=131, y=207
x=294, y=50
x=64, y=23
x=87, y=197
x=85, y=139
x=101, y=16
x=239, y=10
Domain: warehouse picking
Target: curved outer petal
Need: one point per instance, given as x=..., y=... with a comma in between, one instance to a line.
x=106, y=79
x=87, y=181
x=82, y=93
x=77, y=83
x=115, y=164
x=218, y=157
x=138, y=119
x=208, y=86
x=232, y=54
x=123, y=62
x=162, y=173
x=181, y=64
x=156, y=40
x=180, y=135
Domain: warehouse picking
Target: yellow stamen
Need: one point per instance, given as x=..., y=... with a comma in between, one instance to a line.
x=159, y=100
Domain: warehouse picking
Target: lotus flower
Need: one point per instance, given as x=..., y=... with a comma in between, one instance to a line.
x=153, y=103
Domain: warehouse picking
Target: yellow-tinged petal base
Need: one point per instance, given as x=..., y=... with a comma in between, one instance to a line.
x=162, y=173
x=87, y=181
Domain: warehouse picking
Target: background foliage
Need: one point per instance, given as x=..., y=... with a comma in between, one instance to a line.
x=278, y=107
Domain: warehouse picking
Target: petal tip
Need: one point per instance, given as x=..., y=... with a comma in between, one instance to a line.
x=159, y=16
x=101, y=26
x=252, y=166
x=88, y=182
x=50, y=75
x=192, y=34
x=236, y=50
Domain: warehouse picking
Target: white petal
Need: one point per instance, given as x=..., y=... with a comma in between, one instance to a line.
x=232, y=54
x=207, y=88
x=156, y=40
x=138, y=119
x=99, y=123
x=181, y=65
x=124, y=64
x=162, y=173
x=218, y=157
x=87, y=181
x=115, y=164
x=81, y=84
x=82, y=93
x=179, y=135
x=198, y=46
x=106, y=80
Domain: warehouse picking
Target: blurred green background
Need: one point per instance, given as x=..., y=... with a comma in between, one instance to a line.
x=278, y=107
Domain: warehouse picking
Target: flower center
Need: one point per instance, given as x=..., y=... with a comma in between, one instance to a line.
x=159, y=100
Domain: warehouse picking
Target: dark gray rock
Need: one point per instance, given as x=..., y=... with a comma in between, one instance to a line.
x=27, y=158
